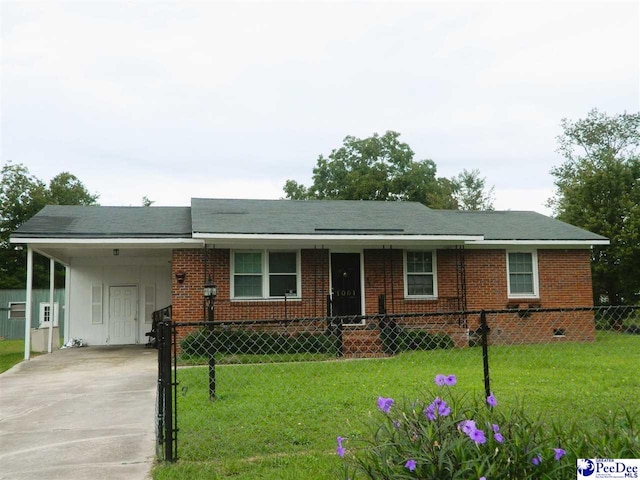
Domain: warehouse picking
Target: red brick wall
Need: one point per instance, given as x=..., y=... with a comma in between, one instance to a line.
x=564, y=282
x=564, y=279
x=379, y=264
x=188, y=299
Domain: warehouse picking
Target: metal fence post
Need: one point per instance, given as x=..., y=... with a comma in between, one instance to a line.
x=164, y=354
x=484, y=328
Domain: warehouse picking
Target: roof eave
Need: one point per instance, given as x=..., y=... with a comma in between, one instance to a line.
x=580, y=243
x=332, y=237
x=97, y=241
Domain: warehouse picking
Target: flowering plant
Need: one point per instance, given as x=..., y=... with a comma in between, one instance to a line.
x=452, y=436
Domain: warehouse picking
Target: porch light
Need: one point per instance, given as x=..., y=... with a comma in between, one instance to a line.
x=210, y=290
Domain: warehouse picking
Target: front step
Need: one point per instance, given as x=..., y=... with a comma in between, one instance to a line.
x=361, y=343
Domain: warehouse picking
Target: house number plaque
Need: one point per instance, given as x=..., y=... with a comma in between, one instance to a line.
x=345, y=293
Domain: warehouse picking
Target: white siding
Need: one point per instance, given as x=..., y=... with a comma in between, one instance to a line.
x=89, y=272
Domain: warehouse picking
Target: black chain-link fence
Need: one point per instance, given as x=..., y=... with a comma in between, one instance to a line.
x=255, y=391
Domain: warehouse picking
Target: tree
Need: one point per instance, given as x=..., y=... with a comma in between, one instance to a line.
x=470, y=191
x=67, y=189
x=375, y=168
x=22, y=195
x=598, y=188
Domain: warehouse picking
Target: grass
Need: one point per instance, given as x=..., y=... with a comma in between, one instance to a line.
x=11, y=353
x=280, y=421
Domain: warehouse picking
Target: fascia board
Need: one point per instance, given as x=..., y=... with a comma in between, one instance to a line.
x=159, y=242
x=335, y=238
x=559, y=243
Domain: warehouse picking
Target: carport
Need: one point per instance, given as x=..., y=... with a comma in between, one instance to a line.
x=117, y=266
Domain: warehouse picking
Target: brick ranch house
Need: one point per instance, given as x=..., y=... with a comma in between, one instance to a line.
x=278, y=259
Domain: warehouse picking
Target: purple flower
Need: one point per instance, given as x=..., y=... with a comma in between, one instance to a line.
x=499, y=438
x=410, y=465
x=467, y=426
x=537, y=459
x=482, y=478
x=396, y=424
x=491, y=401
x=340, y=450
x=449, y=380
x=478, y=436
x=438, y=406
x=559, y=453
x=495, y=428
x=385, y=404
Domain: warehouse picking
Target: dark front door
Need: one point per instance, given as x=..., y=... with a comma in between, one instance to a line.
x=345, y=283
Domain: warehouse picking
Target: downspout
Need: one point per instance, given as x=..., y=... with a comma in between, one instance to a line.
x=27, y=309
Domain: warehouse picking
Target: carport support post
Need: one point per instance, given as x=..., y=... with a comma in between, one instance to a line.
x=52, y=267
x=27, y=312
x=67, y=302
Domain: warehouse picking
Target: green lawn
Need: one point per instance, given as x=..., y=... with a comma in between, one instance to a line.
x=11, y=353
x=280, y=421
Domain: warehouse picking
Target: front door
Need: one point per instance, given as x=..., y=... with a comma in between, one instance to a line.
x=123, y=315
x=345, y=284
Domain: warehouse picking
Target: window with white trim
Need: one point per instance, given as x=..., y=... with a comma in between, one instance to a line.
x=265, y=274
x=420, y=274
x=17, y=310
x=45, y=314
x=522, y=273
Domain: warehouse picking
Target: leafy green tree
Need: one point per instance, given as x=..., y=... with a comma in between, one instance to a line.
x=375, y=168
x=22, y=195
x=67, y=189
x=598, y=188
x=470, y=191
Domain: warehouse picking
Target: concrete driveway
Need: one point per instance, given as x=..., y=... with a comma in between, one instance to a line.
x=79, y=413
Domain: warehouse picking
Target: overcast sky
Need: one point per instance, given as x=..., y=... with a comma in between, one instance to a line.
x=176, y=100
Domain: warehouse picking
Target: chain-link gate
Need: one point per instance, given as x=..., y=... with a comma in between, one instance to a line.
x=212, y=374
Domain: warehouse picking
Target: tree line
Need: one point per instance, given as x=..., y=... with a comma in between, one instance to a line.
x=597, y=188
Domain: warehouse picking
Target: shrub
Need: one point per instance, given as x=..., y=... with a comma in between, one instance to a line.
x=397, y=339
x=452, y=436
x=235, y=342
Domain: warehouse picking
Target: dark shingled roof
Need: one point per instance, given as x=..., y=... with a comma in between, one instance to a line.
x=304, y=217
x=67, y=221
x=320, y=217
x=514, y=225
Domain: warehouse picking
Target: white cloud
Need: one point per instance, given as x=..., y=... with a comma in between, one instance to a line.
x=249, y=94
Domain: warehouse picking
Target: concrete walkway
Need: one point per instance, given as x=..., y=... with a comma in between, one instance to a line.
x=79, y=413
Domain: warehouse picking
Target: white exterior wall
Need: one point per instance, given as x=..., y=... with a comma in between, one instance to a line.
x=150, y=275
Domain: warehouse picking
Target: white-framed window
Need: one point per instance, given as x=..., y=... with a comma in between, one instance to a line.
x=420, y=277
x=522, y=274
x=17, y=310
x=45, y=314
x=265, y=274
